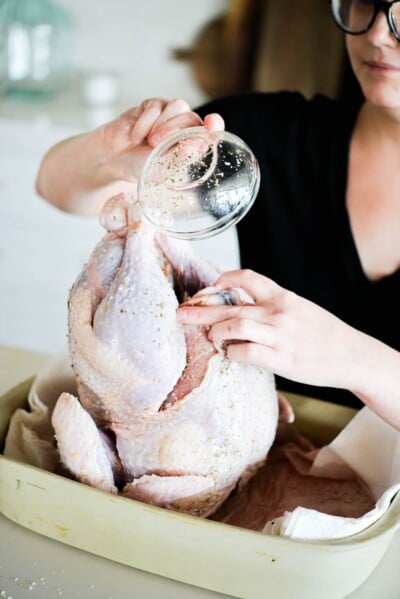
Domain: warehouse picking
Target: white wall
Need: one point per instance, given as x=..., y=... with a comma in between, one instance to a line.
x=136, y=37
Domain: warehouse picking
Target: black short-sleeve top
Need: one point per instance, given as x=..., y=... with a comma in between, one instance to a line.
x=298, y=231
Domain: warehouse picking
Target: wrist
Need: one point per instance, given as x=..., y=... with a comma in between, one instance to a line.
x=375, y=377
x=363, y=356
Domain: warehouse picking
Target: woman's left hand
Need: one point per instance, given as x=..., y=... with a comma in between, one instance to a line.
x=282, y=332
x=295, y=338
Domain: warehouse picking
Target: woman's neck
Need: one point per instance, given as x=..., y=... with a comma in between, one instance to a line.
x=372, y=197
x=379, y=123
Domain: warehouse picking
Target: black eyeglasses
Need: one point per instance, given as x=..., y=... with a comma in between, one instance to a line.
x=357, y=16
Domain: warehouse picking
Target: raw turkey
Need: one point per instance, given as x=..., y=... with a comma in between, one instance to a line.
x=162, y=416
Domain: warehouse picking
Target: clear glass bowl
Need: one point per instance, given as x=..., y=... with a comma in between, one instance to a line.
x=197, y=183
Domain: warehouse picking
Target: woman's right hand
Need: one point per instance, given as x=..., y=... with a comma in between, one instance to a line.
x=81, y=173
x=129, y=139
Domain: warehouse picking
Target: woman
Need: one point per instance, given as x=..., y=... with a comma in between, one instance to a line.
x=324, y=233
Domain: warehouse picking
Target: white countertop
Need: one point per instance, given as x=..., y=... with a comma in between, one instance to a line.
x=35, y=567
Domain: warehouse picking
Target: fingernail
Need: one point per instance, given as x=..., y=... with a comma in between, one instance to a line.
x=155, y=139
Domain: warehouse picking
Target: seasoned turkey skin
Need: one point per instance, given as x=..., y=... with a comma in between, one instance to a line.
x=162, y=416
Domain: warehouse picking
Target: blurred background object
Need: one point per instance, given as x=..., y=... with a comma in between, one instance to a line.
x=259, y=45
x=35, y=50
x=100, y=88
x=311, y=51
x=224, y=50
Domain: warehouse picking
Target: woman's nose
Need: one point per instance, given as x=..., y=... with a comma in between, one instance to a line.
x=380, y=33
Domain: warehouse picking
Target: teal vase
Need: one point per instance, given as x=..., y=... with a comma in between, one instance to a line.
x=35, y=48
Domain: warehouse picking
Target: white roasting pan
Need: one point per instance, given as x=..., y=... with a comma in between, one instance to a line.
x=204, y=553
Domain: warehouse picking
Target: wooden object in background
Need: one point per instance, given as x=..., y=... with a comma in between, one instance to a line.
x=299, y=49
x=222, y=55
x=268, y=46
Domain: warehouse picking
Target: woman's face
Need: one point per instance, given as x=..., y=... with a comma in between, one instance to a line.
x=375, y=58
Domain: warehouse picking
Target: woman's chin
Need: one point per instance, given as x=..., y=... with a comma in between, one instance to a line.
x=383, y=94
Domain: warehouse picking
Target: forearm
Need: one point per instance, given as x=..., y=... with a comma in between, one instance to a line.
x=76, y=177
x=375, y=378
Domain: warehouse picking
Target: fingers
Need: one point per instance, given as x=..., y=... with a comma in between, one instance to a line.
x=177, y=115
x=147, y=114
x=207, y=315
x=172, y=109
x=181, y=121
x=135, y=126
x=243, y=329
x=174, y=115
x=251, y=353
x=218, y=296
x=260, y=288
x=253, y=339
x=214, y=122
x=151, y=122
x=212, y=314
x=156, y=118
x=243, y=323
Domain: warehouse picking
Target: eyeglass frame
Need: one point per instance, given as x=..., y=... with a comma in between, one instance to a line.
x=379, y=5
